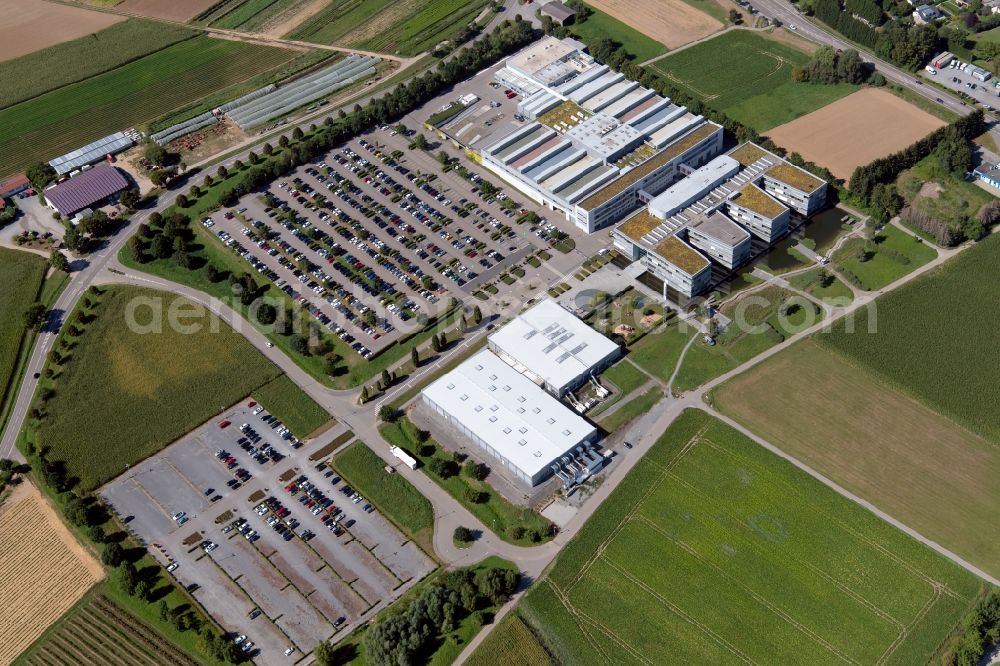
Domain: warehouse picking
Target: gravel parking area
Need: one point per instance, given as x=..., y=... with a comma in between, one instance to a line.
x=255, y=557
x=985, y=93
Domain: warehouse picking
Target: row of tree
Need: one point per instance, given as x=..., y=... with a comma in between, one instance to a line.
x=901, y=42
x=827, y=66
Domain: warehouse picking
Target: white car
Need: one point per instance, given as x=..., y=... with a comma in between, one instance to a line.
x=258, y=410
x=172, y=566
x=239, y=639
x=289, y=651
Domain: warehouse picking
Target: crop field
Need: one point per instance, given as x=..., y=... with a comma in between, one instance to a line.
x=760, y=320
x=67, y=118
x=242, y=14
x=43, y=570
x=855, y=130
x=933, y=339
x=749, y=77
x=876, y=441
x=891, y=255
x=600, y=24
x=39, y=72
x=713, y=550
x=131, y=393
x=32, y=25
x=511, y=642
x=406, y=27
x=670, y=22
x=98, y=632
x=176, y=10
x=22, y=273
x=292, y=406
x=389, y=493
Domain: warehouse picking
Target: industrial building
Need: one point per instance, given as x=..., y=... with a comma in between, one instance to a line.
x=94, y=152
x=713, y=216
x=89, y=188
x=514, y=421
x=596, y=146
x=553, y=348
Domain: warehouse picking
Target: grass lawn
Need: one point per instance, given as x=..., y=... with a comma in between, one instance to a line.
x=933, y=339
x=749, y=77
x=894, y=451
x=127, y=96
x=599, y=25
x=835, y=293
x=121, y=395
x=497, y=513
x=956, y=200
x=510, y=642
x=23, y=274
x=889, y=256
x=625, y=376
x=657, y=353
x=292, y=406
x=757, y=325
x=406, y=27
x=631, y=409
x=713, y=550
x=391, y=494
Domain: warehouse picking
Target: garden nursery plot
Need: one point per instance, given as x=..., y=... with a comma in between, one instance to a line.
x=61, y=120
x=749, y=77
x=713, y=550
x=121, y=394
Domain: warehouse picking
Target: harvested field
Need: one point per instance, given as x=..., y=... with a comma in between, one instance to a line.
x=670, y=22
x=855, y=130
x=43, y=570
x=30, y=25
x=877, y=442
x=171, y=10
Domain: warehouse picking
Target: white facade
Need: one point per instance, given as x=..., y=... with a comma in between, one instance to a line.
x=553, y=348
x=508, y=416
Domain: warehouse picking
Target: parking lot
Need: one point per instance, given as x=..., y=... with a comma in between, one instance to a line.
x=267, y=541
x=985, y=93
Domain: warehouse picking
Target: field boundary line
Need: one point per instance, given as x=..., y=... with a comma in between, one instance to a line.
x=906, y=630
x=680, y=613
x=574, y=612
x=769, y=605
x=848, y=529
x=856, y=596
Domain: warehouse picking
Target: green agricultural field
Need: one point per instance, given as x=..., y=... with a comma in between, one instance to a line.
x=122, y=394
x=511, y=642
x=391, y=494
x=936, y=338
x=295, y=409
x=599, y=25
x=64, y=119
x=60, y=65
x=713, y=550
x=749, y=77
x=406, y=27
x=22, y=274
x=759, y=321
x=890, y=255
x=242, y=14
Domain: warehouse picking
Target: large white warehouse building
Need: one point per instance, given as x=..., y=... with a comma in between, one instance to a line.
x=513, y=420
x=553, y=348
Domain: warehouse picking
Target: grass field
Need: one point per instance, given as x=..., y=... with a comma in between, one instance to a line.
x=633, y=408
x=889, y=256
x=131, y=393
x=67, y=118
x=657, y=353
x=935, y=339
x=714, y=551
x=406, y=27
x=391, y=494
x=496, y=512
x=835, y=292
x=510, y=642
x=749, y=77
x=23, y=273
x=57, y=66
x=625, y=376
x=878, y=442
x=292, y=406
x=757, y=325
x=599, y=25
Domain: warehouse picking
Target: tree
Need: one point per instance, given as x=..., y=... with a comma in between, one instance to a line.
x=267, y=314
x=252, y=156
x=324, y=654
x=363, y=398
x=128, y=577
x=112, y=554
x=58, y=261
x=72, y=239
x=435, y=344
x=129, y=198
x=497, y=584
x=40, y=174
x=441, y=467
x=735, y=17
x=160, y=177
x=267, y=149
x=222, y=172
x=463, y=535
x=388, y=413
x=34, y=316
x=415, y=357
x=419, y=142
x=443, y=157
x=386, y=378
x=154, y=153
x=297, y=134
x=476, y=496
x=182, y=201
x=161, y=247
x=477, y=315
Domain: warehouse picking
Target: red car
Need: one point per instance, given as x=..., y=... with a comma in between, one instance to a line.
x=225, y=424
x=252, y=403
